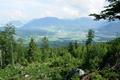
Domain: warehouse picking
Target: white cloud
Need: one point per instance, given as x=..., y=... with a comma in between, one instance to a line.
x=28, y=9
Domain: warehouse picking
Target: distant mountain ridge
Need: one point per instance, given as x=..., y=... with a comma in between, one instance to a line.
x=59, y=28
x=74, y=29
x=111, y=27
x=81, y=23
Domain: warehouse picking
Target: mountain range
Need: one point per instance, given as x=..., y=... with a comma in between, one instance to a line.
x=66, y=29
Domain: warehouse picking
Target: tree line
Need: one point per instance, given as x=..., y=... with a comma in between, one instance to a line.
x=55, y=63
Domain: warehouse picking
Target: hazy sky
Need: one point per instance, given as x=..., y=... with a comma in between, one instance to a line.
x=29, y=9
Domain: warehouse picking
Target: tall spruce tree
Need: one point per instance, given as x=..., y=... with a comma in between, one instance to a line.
x=90, y=37
x=31, y=51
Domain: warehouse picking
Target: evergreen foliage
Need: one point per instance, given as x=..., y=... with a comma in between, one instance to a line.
x=111, y=12
x=90, y=37
x=30, y=56
x=7, y=45
x=19, y=62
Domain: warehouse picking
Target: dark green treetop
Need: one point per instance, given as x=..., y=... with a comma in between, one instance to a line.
x=111, y=12
x=90, y=37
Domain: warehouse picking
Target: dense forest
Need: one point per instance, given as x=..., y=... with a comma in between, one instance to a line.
x=88, y=61
x=99, y=61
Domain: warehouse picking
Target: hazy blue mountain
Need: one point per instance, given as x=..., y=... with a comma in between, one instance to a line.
x=111, y=27
x=54, y=27
x=72, y=29
x=66, y=29
x=109, y=31
x=66, y=24
x=59, y=29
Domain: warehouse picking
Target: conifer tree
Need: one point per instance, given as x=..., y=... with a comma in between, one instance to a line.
x=7, y=44
x=90, y=37
x=111, y=12
x=31, y=51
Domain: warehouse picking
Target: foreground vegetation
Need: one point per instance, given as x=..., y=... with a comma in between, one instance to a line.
x=18, y=62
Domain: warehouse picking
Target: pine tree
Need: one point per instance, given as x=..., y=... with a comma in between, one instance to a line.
x=90, y=37
x=31, y=51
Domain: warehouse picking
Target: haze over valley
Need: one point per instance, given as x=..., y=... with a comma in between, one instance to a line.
x=66, y=29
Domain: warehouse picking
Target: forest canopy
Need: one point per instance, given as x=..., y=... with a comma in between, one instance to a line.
x=19, y=62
